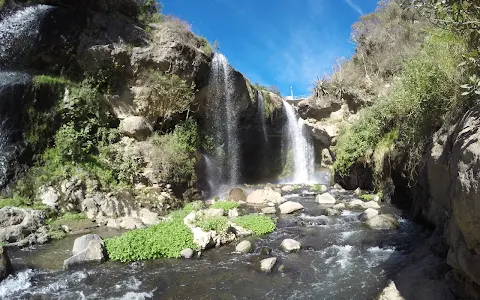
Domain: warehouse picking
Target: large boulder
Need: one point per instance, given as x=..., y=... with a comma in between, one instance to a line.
x=290, y=207
x=5, y=265
x=136, y=127
x=266, y=265
x=22, y=226
x=87, y=249
x=325, y=198
x=289, y=245
x=390, y=293
x=237, y=195
x=244, y=247
x=368, y=214
x=264, y=196
x=385, y=221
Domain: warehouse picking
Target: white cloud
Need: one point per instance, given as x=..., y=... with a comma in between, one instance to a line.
x=354, y=6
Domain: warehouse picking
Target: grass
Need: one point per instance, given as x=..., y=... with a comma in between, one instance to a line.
x=225, y=205
x=165, y=240
x=367, y=197
x=256, y=223
x=51, y=80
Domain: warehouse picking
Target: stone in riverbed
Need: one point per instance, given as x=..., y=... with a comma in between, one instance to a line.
x=289, y=245
x=269, y=210
x=244, y=247
x=266, y=265
x=368, y=214
x=237, y=195
x=331, y=212
x=358, y=192
x=326, y=198
x=339, y=206
x=385, y=221
x=357, y=203
x=89, y=248
x=187, y=253
x=5, y=265
x=290, y=207
x=287, y=189
x=265, y=195
x=371, y=204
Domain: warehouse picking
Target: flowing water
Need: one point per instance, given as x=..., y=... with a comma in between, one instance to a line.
x=261, y=112
x=299, y=147
x=224, y=119
x=340, y=259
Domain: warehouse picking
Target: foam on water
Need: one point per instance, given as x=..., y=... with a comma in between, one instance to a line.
x=16, y=283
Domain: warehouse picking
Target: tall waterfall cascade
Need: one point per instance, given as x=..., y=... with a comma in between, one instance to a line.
x=223, y=166
x=261, y=112
x=299, y=146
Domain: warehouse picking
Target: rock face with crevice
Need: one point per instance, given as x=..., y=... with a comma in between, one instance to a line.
x=22, y=226
x=448, y=194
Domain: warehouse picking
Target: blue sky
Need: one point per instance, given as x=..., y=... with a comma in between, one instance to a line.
x=284, y=42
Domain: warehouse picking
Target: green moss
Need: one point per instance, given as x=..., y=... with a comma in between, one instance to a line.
x=218, y=224
x=51, y=81
x=319, y=188
x=367, y=197
x=267, y=101
x=165, y=240
x=2, y=3
x=225, y=205
x=256, y=223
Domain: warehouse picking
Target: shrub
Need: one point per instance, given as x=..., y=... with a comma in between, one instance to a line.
x=73, y=216
x=413, y=109
x=256, y=223
x=218, y=224
x=225, y=205
x=367, y=197
x=51, y=81
x=15, y=201
x=56, y=233
x=150, y=12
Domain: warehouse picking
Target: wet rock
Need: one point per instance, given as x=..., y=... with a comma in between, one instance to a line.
x=244, y=247
x=390, y=293
x=269, y=210
x=357, y=203
x=281, y=269
x=89, y=248
x=287, y=189
x=187, y=253
x=371, y=204
x=237, y=195
x=331, y=212
x=326, y=198
x=5, y=265
x=49, y=196
x=327, y=160
x=385, y=221
x=289, y=245
x=148, y=218
x=264, y=196
x=265, y=251
x=233, y=213
x=266, y=265
x=339, y=206
x=358, y=192
x=290, y=207
x=22, y=226
x=136, y=127
x=368, y=214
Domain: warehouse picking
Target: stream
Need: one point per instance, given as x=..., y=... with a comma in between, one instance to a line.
x=340, y=259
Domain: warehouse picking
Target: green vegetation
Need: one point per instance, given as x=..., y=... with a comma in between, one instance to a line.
x=15, y=201
x=413, y=109
x=225, y=205
x=73, y=216
x=165, y=240
x=2, y=3
x=150, y=12
x=51, y=81
x=56, y=233
x=319, y=188
x=218, y=224
x=206, y=47
x=367, y=197
x=256, y=223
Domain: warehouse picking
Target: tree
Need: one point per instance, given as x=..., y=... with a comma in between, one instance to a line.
x=274, y=89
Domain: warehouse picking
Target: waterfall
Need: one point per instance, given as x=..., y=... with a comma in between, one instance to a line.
x=261, y=111
x=19, y=33
x=300, y=143
x=223, y=118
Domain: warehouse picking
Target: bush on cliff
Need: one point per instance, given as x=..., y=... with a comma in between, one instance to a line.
x=415, y=107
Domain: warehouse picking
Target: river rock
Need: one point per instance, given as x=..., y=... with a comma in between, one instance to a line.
x=357, y=203
x=390, y=293
x=187, y=253
x=269, y=210
x=136, y=127
x=368, y=214
x=5, y=265
x=148, y=218
x=385, y=221
x=290, y=207
x=331, y=212
x=213, y=212
x=358, y=192
x=326, y=198
x=89, y=248
x=266, y=265
x=339, y=206
x=264, y=196
x=287, y=189
x=244, y=247
x=22, y=226
x=237, y=195
x=371, y=204
x=289, y=245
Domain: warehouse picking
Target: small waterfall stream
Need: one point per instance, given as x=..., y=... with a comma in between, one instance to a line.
x=224, y=120
x=301, y=147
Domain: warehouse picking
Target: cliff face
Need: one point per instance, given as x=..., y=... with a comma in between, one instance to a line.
x=448, y=196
